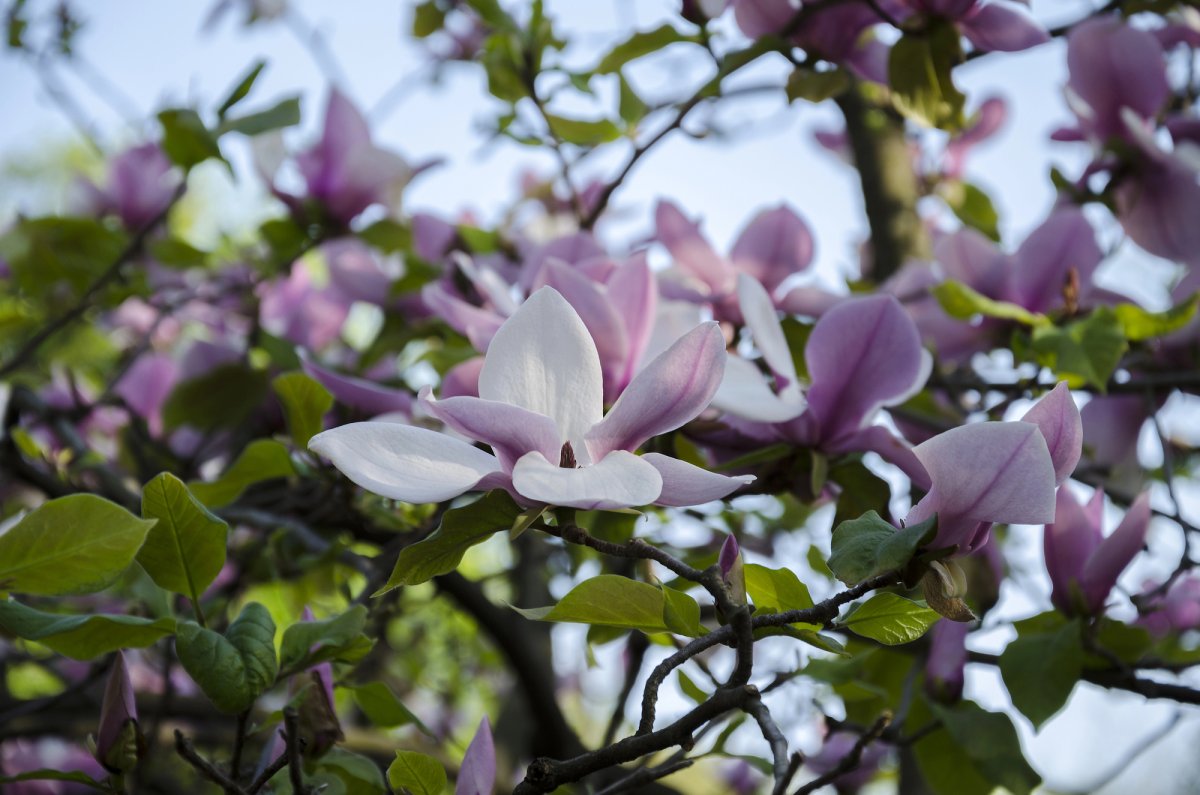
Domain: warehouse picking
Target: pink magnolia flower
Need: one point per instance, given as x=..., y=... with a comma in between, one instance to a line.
x=1178, y=610
x=945, y=666
x=477, y=775
x=540, y=409
x=345, y=172
x=989, y=472
x=835, y=749
x=296, y=309
x=118, y=740
x=1084, y=564
x=835, y=33
x=140, y=184
x=990, y=25
x=775, y=244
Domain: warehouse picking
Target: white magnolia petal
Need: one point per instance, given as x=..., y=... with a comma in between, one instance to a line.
x=758, y=310
x=543, y=359
x=619, y=480
x=404, y=462
x=744, y=393
x=685, y=484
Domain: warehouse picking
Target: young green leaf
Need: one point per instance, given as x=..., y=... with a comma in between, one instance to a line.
x=82, y=637
x=1041, y=669
x=776, y=590
x=416, y=773
x=296, y=652
x=382, y=708
x=185, y=138
x=75, y=544
x=890, y=619
x=185, y=549
x=868, y=546
x=305, y=403
x=242, y=88
x=262, y=459
x=608, y=600
x=919, y=67
x=233, y=669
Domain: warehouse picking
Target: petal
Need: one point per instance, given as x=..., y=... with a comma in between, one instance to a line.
x=589, y=299
x=403, y=462
x=1040, y=267
x=684, y=484
x=759, y=312
x=477, y=324
x=862, y=355
x=1114, y=65
x=774, y=245
x=671, y=391
x=995, y=27
x=633, y=292
x=1069, y=541
x=1058, y=419
x=1115, y=553
x=991, y=472
x=477, y=774
x=691, y=251
x=899, y=453
x=511, y=431
x=744, y=393
x=359, y=393
x=969, y=257
x=462, y=379
x=544, y=360
x=619, y=480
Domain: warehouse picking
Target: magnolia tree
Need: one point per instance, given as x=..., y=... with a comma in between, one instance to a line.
x=299, y=511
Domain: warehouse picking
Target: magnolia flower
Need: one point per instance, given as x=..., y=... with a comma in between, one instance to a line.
x=477, y=775
x=141, y=182
x=1084, y=564
x=990, y=472
x=989, y=25
x=1177, y=610
x=540, y=409
x=836, y=748
x=118, y=742
x=944, y=668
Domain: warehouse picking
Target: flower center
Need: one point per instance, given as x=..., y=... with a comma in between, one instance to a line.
x=566, y=458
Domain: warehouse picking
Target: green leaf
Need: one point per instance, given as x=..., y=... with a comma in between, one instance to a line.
x=388, y=235
x=461, y=529
x=919, y=67
x=284, y=113
x=342, y=772
x=608, y=600
x=331, y=634
x=45, y=253
x=972, y=206
x=1041, y=669
x=416, y=773
x=775, y=590
x=862, y=490
x=813, y=86
x=75, y=544
x=1085, y=351
x=233, y=669
x=990, y=742
x=382, y=708
x=305, y=403
x=964, y=303
x=224, y=397
x=691, y=689
x=75, y=776
x=638, y=45
x=1139, y=324
x=186, y=141
x=502, y=61
x=428, y=19
x=891, y=619
x=681, y=613
x=262, y=459
x=177, y=253
x=82, y=637
x=242, y=88
x=582, y=132
x=185, y=550
x=868, y=546
x=630, y=106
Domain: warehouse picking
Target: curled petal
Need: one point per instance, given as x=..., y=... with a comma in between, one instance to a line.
x=403, y=462
x=543, y=359
x=1058, y=419
x=1115, y=553
x=1070, y=541
x=619, y=480
x=684, y=484
x=511, y=431
x=359, y=393
x=671, y=391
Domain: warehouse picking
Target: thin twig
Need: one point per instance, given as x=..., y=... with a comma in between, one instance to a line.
x=851, y=760
x=210, y=771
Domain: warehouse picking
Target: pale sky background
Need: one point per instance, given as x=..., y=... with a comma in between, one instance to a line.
x=157, y=56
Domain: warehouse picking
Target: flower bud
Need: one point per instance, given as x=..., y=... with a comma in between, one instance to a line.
x=945, y=585
x=730, y=564
x=317, y=716
x=119, y=741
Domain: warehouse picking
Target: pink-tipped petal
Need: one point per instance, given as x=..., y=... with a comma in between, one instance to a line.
x=511, y=431
x=463, y=379
x=691, y=251
x=403, y=462
x=1069, y=541
x=684, y=484
x=1115, y=552
x=998, y=28
x=633, y=291
x=669, y=392
x=359, y=393
x=543, y=359
x=1058, y=419
x=774, y=245
x=591, y=302
x=619, y=480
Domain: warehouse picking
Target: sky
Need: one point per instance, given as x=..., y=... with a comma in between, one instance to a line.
x=154, y=54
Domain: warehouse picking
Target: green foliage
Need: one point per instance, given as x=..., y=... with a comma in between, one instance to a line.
x=638, y=45
x=964, y=303
x=262, y=459
x=329, y=636
x=185, y=549
x=813, y=86
x=1085, y=351
x=382, y=708
x=82, y=637
x=461, y=529
x=775, y=590
x=340, y=772
x=919, y=67
x=869, y=546
x=1137, y=324
x=890, y=619
x=1041, y=669
x=416, y=773
x=681, y=613
x=224, y=397
x=610, y=600
x=284, y=113
x=186, y=141
x=972, y=206
x=305, y=403
x=428, y=18
x=75, y=544
x=235, y=668
x=582, y=132
x=46, y=253
x=975, y=746
x=242, y=88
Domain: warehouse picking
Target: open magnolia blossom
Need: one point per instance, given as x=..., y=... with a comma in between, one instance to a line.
x=540, y=409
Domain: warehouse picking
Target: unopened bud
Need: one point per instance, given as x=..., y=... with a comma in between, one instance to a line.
x=945, y=585
x=119, y=741
x=730, y=564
